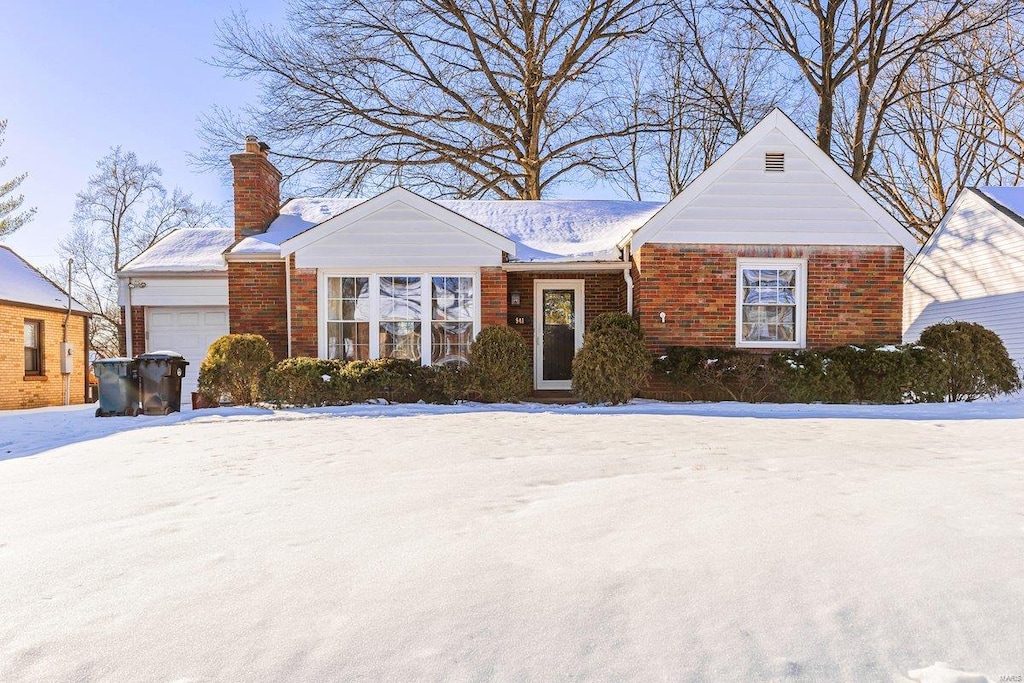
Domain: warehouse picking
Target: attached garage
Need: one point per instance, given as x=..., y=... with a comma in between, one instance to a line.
x=177, y=291
x=188, y=331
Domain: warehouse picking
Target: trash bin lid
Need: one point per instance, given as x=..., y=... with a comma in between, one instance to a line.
x=111, y=361
x=160, y=355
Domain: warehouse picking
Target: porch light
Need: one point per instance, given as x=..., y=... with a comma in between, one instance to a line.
x=515, y=298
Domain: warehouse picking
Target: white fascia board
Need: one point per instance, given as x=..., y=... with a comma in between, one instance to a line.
x=232, y=257
x=122, y=275
x=387, y=199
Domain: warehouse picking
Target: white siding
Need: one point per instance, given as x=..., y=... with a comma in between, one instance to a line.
x=802, y=205
x=397, y=237
x=971, y=270
x=179, y=291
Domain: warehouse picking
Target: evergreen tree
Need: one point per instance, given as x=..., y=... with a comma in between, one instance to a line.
x=10, y=219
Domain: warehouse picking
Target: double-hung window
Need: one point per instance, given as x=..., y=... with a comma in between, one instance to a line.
x=430, y=318
x=401, y=317
x=771, y=303
x=451, y=313
x=348, y=318
x=33, y=347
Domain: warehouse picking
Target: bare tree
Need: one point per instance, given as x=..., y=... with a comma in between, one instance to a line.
x=862, y=50
x=458, y=97
x=716, y=83
x=123, y=211
x=9, y=220
x=958, y=122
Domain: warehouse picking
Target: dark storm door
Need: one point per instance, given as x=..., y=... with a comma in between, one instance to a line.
x=558, y=331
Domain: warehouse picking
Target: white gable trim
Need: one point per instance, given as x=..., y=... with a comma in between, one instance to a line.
x=776, y=120
x=398, y=195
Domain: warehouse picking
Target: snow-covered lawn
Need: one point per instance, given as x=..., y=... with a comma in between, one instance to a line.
x=650, y=542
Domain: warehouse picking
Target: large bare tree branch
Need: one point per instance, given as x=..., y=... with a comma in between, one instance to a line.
x=457, y=97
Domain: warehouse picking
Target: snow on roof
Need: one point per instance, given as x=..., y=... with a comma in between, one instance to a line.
x=296, y=216
x=21, y=283
x=1009, y=197
x=560, y=230
x=546, y=230
x=190, y=250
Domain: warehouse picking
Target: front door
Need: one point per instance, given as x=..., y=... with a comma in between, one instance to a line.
x=557, y=331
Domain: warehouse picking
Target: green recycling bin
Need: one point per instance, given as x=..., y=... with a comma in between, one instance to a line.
x=118, y=387
x=160, y=374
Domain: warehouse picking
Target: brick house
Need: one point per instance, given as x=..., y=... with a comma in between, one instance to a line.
x=34, y=318
x=774, y=246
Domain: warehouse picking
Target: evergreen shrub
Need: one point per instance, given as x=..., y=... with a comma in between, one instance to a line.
x=234, y=367
x=614, y=363
x=977, y=360
x=499, y=365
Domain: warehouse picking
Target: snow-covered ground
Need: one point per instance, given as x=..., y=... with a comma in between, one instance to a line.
x=650, y=542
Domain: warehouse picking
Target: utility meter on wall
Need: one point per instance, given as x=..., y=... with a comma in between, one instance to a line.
x=66, y=358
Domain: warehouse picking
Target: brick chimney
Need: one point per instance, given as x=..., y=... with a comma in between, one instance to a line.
x=257, y=188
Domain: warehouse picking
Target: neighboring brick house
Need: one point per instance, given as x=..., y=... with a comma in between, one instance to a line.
x=774, y=246
x=34, y=316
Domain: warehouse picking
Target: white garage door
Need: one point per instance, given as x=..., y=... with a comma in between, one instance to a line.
x=188, y=331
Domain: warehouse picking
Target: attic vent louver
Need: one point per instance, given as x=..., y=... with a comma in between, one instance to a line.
x=325, y=210
x=774, y=162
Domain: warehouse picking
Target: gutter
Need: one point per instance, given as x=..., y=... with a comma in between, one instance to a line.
x=551, y=266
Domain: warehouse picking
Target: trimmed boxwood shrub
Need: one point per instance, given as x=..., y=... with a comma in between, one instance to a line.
x=877, y=374
x=320, y=382
x=710, y=373
x=451, y=383
x=499, y=365
x=614, y=363
x=891, y=374
x=812, y=377
x=233, y=367
x=305, y=382
x=394, y=379
x=978, y=364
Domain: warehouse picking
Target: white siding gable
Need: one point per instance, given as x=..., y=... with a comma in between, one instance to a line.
x=397, y=229
x=738, y=201
x=177, y=291
x=972, y=269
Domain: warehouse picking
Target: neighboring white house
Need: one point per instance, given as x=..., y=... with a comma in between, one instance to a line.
x=972, y=268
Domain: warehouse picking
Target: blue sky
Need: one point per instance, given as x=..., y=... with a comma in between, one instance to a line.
x=78, y=78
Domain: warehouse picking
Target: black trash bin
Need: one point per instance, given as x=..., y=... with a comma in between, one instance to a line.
x=160, y=374
x=118, y=386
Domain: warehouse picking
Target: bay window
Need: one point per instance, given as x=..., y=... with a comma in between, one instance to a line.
x=771, y=303
x=430, y=318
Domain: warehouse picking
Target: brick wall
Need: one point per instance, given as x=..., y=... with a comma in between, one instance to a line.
x=256, y=302
x=20, y=391
x=854, y=294
x=603, y=292
x=138, y=331
x=257, y=190
x=304, y=327
x=493, y=297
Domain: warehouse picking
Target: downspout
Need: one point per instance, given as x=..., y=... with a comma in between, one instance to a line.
x=627, y=275
x=64, y=350
x=288, y=301
x=128, y=318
